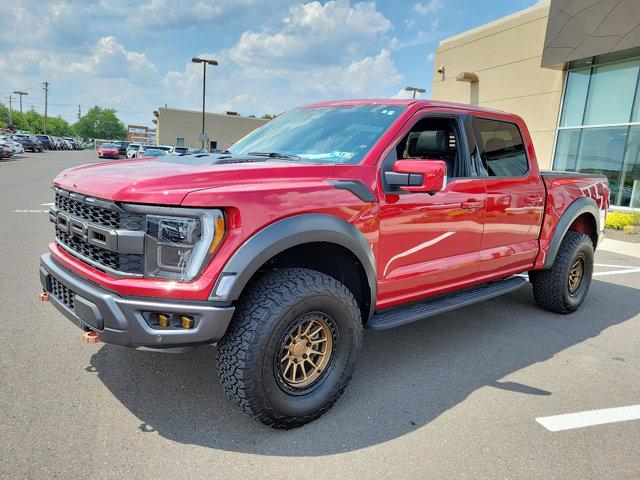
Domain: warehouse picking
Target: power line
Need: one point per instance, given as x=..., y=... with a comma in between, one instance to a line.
x=20, y=94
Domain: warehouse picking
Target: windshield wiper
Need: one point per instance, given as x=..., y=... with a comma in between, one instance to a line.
x=272, y=155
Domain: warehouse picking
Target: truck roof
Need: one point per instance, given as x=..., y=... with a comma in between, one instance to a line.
x=406, y=103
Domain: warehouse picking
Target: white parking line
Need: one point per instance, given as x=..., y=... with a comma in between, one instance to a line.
x=612, y=266
x=30, y=211
x=616, y=272
x=47, y=204
x=589, y=418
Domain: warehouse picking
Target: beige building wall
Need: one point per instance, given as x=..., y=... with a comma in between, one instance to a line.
x=174, y=123
x=506, y=56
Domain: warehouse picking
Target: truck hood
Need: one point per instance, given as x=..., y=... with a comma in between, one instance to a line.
x=167, y=180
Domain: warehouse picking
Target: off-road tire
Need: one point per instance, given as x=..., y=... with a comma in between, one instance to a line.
x=550, y=287
x=271, y=305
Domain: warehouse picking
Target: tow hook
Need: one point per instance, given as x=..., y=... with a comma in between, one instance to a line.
x=90, y=337
x=44, y=297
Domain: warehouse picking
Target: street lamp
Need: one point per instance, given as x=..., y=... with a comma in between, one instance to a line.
x=204, y=62
x=414, y=90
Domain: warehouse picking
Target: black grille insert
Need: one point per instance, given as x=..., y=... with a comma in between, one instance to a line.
x=62, y=293
x=125, y=263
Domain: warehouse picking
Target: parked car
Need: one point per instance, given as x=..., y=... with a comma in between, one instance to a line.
x=6, y=150
x=195, y=151
x=16, y=147
x=122, y=146
x=29, y=142
x=108, y=150
x=178, y=151
x=328, y=219
x=132, y=148
x=141, y=150
x=46, y=141
x=154, y=152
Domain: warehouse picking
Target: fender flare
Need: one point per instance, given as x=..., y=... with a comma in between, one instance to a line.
x=577, y=208
x=287, y=233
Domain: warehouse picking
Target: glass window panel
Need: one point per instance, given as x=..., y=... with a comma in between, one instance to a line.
x=635, y=115
x=575, y=97
x=503, y=153
x=611, y=93
x=629, y=192
x=566, y=156
x=600, y=152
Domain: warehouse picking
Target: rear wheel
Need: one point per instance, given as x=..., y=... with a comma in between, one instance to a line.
x=291, y=348
x=564, y=286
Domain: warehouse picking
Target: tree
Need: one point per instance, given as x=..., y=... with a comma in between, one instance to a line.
x=101, y=123
x=266, y=116
x=33, y=122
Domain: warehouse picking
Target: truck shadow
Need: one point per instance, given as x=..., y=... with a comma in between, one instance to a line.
x=406, y=377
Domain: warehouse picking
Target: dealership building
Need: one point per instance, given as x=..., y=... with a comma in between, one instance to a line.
x=571, y=70
x=182, y=128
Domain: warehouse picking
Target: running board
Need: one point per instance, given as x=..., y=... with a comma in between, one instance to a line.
x=397, y=316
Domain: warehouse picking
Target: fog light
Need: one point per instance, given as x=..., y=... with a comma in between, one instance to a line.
x=164, y=320
x=186, y=321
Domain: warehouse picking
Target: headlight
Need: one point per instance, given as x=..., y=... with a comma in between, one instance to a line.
x=179, y=244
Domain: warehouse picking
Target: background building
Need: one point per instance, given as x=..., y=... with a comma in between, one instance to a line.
x=138, y=134
x=182, y=127
x=571, y=69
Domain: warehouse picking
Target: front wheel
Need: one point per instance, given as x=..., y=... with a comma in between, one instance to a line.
x=563, y=287
x=291, y=347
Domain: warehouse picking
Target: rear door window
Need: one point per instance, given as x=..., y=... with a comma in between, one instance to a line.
x=501, y=148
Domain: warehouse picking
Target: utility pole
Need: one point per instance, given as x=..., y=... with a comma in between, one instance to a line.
x=46, y=101
x=204, y=61
x=414, y=90
x=20, y=94
x=10, y=111
x=79, y=113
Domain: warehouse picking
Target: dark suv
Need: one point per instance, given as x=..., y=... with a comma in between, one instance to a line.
x=122, y=147
x=46, y=141
x=29, y=142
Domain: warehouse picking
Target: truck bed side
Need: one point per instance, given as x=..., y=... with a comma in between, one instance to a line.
x=563, y=189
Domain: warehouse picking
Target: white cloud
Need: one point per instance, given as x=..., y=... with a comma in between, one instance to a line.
x=404, y=94
x=431, y=57
x=35, y=23
x=312, y=33
x=110, y=59
x=428, y=7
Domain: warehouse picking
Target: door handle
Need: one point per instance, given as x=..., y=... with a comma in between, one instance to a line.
x=533, y=200
x=472, y=204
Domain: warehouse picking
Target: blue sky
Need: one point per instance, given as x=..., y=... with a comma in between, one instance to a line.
x=274, y=55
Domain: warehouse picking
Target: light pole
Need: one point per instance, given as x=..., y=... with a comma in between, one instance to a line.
x=204, y=62
x=414, y=90
x=20, y=94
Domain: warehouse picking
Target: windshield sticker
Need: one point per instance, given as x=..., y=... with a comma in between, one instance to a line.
x=343, y=155
x=390, y=112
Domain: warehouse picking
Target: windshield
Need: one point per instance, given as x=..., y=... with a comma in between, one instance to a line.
x=154, y=152
x=107, y=145
x=331, y=134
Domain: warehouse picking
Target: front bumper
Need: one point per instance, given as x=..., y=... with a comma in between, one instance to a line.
x=123, y=321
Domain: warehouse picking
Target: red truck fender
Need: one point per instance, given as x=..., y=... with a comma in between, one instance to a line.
x=582, y=205
x=292, y=232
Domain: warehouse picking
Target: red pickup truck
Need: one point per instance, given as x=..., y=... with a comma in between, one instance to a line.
x=330, y=218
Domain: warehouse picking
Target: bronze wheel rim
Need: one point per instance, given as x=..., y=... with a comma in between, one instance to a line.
x=306, y=351
x=576, y=274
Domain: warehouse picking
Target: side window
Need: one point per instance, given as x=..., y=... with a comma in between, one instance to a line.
x=501, y=148
x=434, y=138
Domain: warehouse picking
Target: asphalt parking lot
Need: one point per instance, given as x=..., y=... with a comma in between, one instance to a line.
x=454, y=396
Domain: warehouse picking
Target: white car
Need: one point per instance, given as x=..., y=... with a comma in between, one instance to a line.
x=178, y=151
x=15, y=146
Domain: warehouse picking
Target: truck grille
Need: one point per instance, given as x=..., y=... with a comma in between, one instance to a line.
x=125, y=263
x=62, y=293
x=108, y=216
x=93, y=213
x=85, y=211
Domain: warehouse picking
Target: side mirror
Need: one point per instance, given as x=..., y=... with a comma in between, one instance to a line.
x=417, y=175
